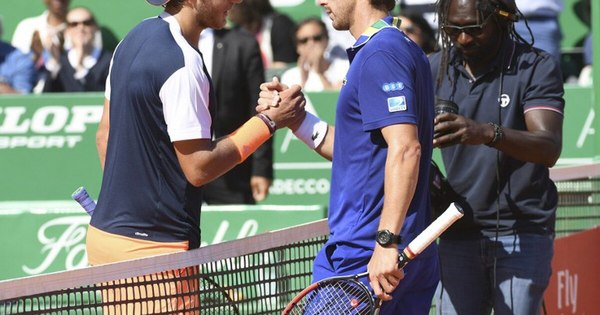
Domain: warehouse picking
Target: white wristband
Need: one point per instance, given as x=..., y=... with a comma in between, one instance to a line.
x=312, y=131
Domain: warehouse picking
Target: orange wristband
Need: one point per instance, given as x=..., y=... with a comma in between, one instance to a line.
x=250, y=136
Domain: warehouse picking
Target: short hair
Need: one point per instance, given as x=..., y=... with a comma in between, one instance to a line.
x=388, y=4
x=315, y=20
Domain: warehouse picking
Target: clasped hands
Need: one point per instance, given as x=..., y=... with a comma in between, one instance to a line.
x=283, y=104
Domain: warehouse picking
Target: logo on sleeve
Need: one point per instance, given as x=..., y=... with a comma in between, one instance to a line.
x=393, y=86
x=397, y=104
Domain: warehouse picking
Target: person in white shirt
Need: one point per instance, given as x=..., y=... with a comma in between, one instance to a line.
x=314, y=72
x=42, y=36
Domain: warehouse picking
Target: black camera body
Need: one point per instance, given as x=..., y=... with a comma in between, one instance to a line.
x=444, y=106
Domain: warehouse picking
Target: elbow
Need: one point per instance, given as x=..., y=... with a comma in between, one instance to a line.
x=197, y=178
x=553, y=157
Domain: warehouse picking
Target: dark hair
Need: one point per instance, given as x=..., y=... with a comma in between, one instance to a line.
x=503, y=12
x=388, y=4
x=175, y=4
x=249, y=13
x=315, y=20
x=429, y=39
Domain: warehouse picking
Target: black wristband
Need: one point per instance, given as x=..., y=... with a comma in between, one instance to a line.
x=268, y=121
x=498, y=135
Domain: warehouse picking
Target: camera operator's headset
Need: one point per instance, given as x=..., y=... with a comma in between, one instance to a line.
x=506, y=9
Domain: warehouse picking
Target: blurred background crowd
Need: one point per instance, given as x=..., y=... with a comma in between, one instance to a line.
x=65, y=48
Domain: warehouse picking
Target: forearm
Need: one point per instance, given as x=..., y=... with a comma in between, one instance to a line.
x=541, y=143
x=401, y=176
x=203, y=160
x=325, y=149
x=540, y=147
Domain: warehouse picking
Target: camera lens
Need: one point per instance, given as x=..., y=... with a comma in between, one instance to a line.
x=445, y=106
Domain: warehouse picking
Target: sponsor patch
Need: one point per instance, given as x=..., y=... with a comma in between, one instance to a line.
x=397, y=104
x=393, y=86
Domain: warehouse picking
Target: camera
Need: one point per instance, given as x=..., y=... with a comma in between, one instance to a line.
x=444, y=106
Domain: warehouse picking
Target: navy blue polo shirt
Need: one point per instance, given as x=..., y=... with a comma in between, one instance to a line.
x=519, y=80
x=159, y=93
x=388, y=83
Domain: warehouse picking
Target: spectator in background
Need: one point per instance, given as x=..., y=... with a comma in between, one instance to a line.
x=315, y=72
x=418, y=29
x=542, y=17
x=42, y=36
x=274, y=31
x=83, y=67
x=425, y=8
x=233, y=59
x=16, y=69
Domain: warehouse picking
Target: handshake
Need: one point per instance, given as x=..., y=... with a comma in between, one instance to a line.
x=285, y=106
x=282, y=104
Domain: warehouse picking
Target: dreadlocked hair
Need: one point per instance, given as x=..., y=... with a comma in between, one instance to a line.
x=503, y=12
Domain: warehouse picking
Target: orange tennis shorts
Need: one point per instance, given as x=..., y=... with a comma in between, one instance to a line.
x=168, y=292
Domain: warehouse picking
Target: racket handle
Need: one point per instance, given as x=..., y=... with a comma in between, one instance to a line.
x=430, y=234
x=83, y=198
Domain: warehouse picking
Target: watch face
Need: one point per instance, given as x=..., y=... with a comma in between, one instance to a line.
x=384, y=237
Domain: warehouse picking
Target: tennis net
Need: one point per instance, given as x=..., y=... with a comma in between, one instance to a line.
x=254, y=275
x=578, y=197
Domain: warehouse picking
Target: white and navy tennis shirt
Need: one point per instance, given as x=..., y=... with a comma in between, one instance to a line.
x=159, y=93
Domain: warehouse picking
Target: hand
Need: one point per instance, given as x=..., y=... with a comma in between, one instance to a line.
x=384, y=275
x=285, y=106
x=290, y=111
x=269, y=94
x=260, y=187
x=456, y=129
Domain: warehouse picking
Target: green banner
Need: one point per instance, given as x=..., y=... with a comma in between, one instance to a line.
x=48, y=149
x=49, y=236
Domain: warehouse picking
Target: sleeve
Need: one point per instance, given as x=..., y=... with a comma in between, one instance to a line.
x=186, y=97
x=24, y=71
x=545, y=89
x=387, y=90
x=262, y=158
x=22, y=35
x=282, y=39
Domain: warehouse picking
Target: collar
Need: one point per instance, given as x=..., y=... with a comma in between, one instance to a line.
x=386, y=22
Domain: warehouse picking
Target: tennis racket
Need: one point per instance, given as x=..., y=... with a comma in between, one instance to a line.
x=347, y=295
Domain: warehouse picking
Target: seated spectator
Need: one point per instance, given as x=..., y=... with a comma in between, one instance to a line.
x=425, y=8
x=42, y=36
x=274, y=31
x=418, y=29
x=83, y=67
x=313, y=71
x=16, y=69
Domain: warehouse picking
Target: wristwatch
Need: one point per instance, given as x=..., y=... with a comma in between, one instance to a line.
x=385, y=238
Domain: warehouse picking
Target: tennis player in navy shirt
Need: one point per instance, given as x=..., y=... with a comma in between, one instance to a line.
x=155, y=141
x=381, y=150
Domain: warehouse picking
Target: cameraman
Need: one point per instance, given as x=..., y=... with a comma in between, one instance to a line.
x=497, y=151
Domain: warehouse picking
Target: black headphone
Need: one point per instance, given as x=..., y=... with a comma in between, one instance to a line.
x=501, y=8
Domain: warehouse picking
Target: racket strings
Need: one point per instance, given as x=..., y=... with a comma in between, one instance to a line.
x=337, y=297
